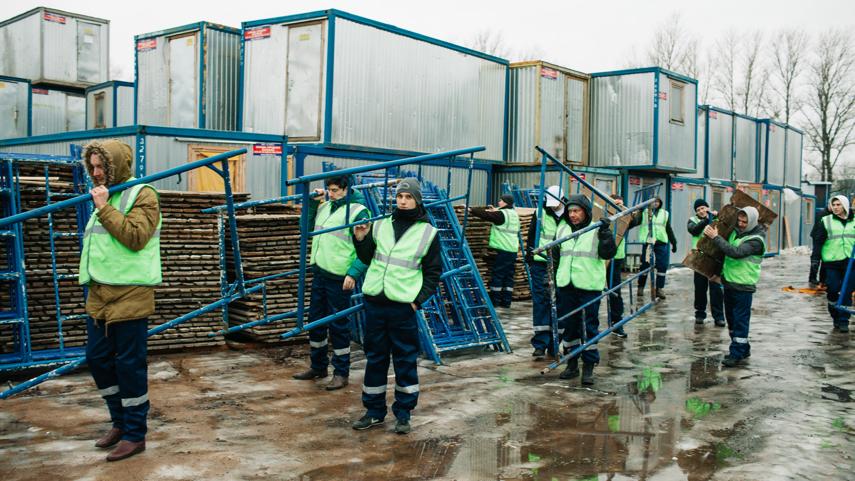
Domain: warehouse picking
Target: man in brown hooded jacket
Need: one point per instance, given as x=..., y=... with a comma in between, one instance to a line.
x=120, y=264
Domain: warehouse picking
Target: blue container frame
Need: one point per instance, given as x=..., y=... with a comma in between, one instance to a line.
x=6, y=78
x=115, y=85
x=201, y=27
x=331, y=15
x=659, y=72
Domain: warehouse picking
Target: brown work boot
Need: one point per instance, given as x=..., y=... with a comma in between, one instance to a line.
x=112, y=437
x=639, y=292
x=126, y=449
x=310, y=374
x=337, y=382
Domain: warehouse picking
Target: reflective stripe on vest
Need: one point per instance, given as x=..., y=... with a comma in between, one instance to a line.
x=334, y=251
x=505, y=237
x=107, y=261
x=659, y=222
x=395, y=269
x=744, y=271
x=841, y=238
x=580, y=263
x=548, y=231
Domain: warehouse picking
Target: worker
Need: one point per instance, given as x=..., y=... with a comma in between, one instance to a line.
x=743, y=251
x=553, y=215
x=696, y=224
x=615, y=270
x=504, y=240
x=120, y=265
x=335, y=271
x=817, y=275
x=834, y=241
x=660, y=237
x=404, y=267
x=581, y=278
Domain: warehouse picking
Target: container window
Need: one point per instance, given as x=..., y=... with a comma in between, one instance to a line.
x=100, y=122
x=717, y=198
x=808, y=212
x=678, y=90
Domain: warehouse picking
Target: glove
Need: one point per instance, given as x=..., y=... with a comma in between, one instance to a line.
x=605, y=223
x=673, y=248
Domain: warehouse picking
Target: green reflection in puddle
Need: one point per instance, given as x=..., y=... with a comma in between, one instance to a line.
x=700, y=408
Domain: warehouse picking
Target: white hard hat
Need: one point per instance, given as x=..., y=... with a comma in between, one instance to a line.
x=553, y=193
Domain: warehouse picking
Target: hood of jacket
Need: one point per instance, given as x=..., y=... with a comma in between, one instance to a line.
x=116, y=157
x=585, y=204
x=753, y=227
x=843, y=200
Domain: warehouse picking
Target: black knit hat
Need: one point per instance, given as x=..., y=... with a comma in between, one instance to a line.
x=701, y=202
x=508, y=199
x=412, y=186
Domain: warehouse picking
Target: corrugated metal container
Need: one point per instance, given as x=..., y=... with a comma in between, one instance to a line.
x=684, y=192
x=56, y=111
x=334, y=78
x=110, y=104
x=187, y=77
x=548, y=107
x=700, y=145
x=774, y=156
x=55, y=47
x=745, y=149
x=644, y=118
x=719, y=132
x=793, y=169
x=772, y=199
x=792, y=209
x=15, y=107
x=158, y=148
x=808, y=218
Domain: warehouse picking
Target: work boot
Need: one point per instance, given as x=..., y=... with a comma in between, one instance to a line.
x=572, y=369
x=640, y=292
x=112, y=437
x=310, y=374
x=720, y=323
x=402, y=427
x=660, y=294
x=700, y=320
x=538, y=353
x=587, y=374
x=842, y=328
x=126, y=449
x=732, y=362
x=337, y=382
x=366, y=422
x=619, y=332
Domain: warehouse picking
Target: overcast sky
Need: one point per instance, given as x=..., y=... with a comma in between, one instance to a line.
x=583, y=35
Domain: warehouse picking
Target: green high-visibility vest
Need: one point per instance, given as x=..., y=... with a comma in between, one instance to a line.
x=105, y=260
x=506, y=237
x=659, y=222
x=548, y=231
x=396, y=269
x=621, y=250
x=695, y=238
x=580, y=263
x=841, y=238
x=334, y=251
x=744, y=271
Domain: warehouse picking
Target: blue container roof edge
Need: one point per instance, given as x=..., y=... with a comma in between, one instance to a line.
x=145, y=129
x=109, y=83
x=372, y=23
x=633, y=71
x=187, y=28
x=7, y=78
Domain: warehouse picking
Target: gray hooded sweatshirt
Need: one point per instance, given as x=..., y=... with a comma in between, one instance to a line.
x=753, y=247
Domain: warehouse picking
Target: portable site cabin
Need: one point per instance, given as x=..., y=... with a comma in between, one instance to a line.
x=49, y=46
x=57, y=110
x=259, y=171
x=110, y=104
x=683, y=192
x=307, y=76
x=644, y=119
x=549, y=107
x=793, y=162
x=187, y=77
x=15, y=107
x=773, y=148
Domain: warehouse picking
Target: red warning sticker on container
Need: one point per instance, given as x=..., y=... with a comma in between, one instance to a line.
x=713, y=114
x=41, y=92
x=663, y=95
x=52, y=17
x=267, y=149
x=678, y=186
x=146, y=44
x=729, y=189
x=549, y=73
x=634, y=180
x=256, y=33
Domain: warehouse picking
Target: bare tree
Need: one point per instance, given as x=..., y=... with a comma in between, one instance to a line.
x=830, y=105
x=751, y=91
x=724, y=62
x=491, y=42
x=787, y=60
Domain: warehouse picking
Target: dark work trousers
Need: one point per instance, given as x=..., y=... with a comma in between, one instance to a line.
x=737, y=311
x=390, y=330
x=117, y=361
x=615, y=298
x=328, y=298
x=662, y=257
x=702, y=285
x=570, y=298
x=502, y=278
x=834, y=278
x=540, y=307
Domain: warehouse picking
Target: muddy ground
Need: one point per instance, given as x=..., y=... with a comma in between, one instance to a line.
x=662, y=409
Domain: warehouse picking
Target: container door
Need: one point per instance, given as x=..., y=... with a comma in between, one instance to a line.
x=100, y=110
x=183, y=81
x=88, y=52
x=772, y=200
x=12, y=119
x=75, y=107
x=206, y=180
x=807, y=220
x=304, y=77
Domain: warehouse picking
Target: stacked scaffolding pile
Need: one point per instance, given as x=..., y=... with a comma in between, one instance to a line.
x=270, y=244
x=478, y=236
